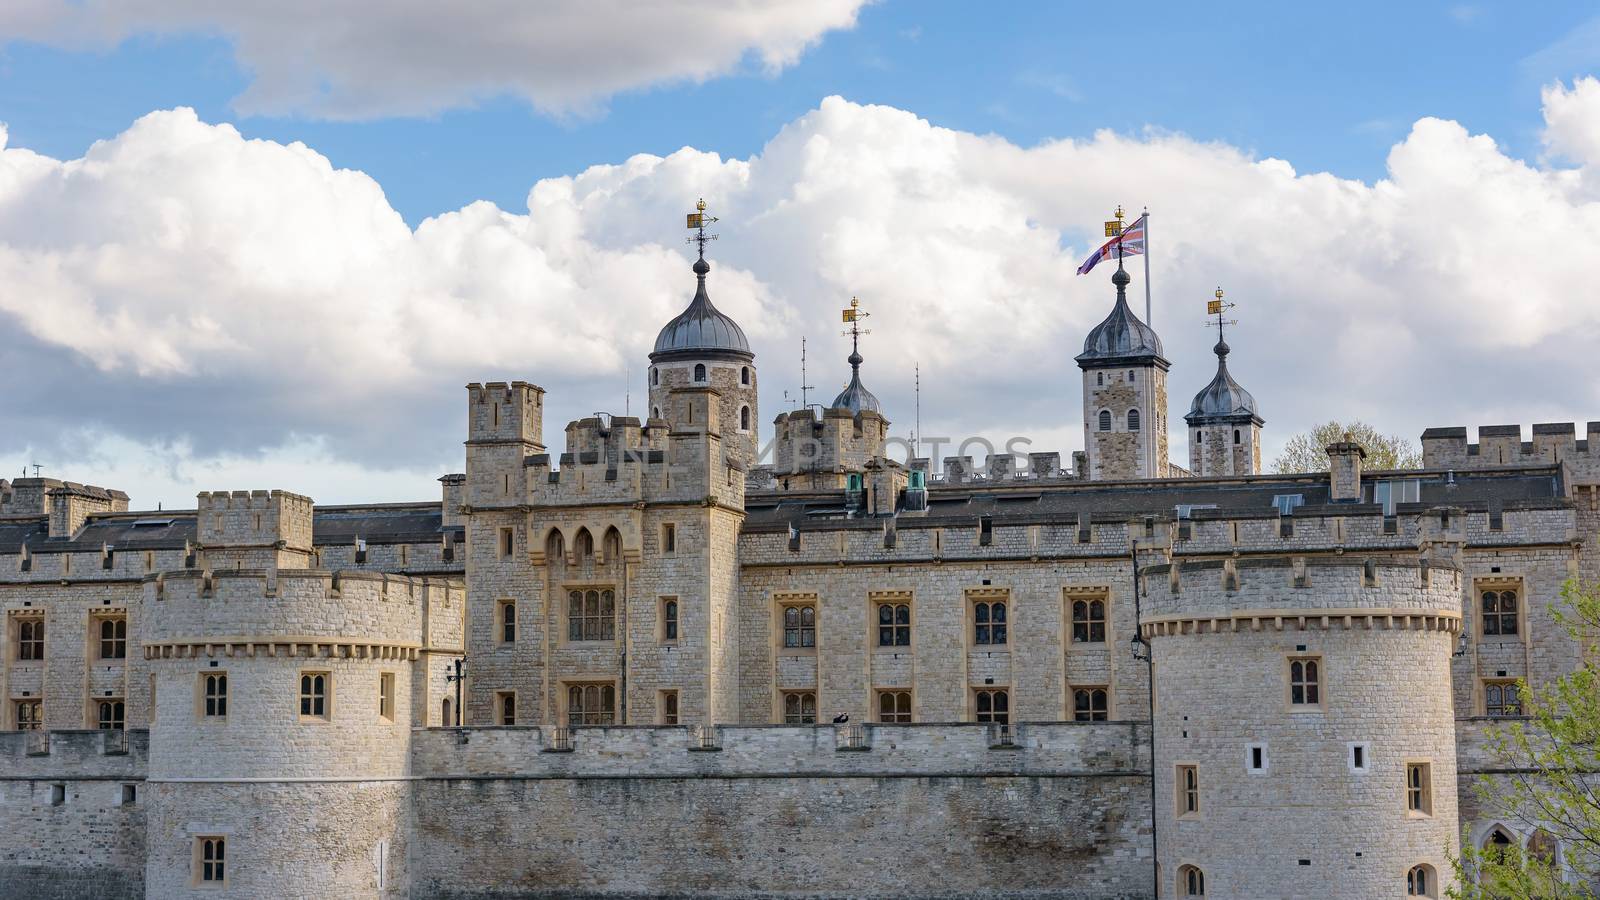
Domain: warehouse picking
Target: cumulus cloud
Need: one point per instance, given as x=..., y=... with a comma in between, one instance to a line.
x=210, y=298
x=367, y=58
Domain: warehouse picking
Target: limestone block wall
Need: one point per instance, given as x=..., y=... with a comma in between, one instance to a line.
x=1223, y=637
x=73, y=807
x=780, y=811
x=72, y=678
x=1502, y=445
x=735, y=385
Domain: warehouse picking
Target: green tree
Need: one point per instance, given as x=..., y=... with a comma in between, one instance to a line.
x=1553, y=780
x=1309, y=452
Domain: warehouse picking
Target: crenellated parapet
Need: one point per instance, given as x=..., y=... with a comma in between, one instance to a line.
x=1502, y=445
x=816, y=449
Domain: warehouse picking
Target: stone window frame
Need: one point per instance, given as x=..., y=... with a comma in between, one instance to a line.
x=598, y=715
x=669, y=538
x=1191, y=888
x=1087, y=596
x=387, y=695
x=506, y=541
x=32, y=722
x=1186, y=802
x=1418, y=792
x=111, y=713
x=304, y=695
x=1320, y=683
x=203, y=697
x=201, y=870
x=669, y=620
x=876, y=599
x=502, y=626
x=669, y=697
x=36, y=640
x=1104, y=690
x=505, y=716
x=1429, y=884
x=997, y=695
x=781, y=604
x=987, y=598
x=117, y=640
x=1358, y=757
x=1500, y=583
x=1254, y=753
x=600, y=588
x=1513, y=685
x=897, y=694
x=795, y=713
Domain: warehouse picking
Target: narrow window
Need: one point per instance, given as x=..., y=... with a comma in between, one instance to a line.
x=1419, y=789
x=699, y=372
x=1305, y=681
x=669, y=619
x=506, y=707
x=1099, y=378
x=1089, y=621
x=30, y=715
x=669, y=707
x=655, y=376
x=1256, y=759
x=113, y=638
x=669, y=538
x=993, y=705
x=130, y=794
x=111, y=715
x=1191, y=882
x=507, y=541
x=799, y=708
x=1105, y=420
x=744, y=418
x=1133, y=420
x=1500, y=698
x=1200, y=437
x=386, y=695
x=894, y=625
x=508, y=621
x=30, y=639
x=800, y=627
x=1420, y=882
x=58, y=794
x=1500, y=612
x=1188, y=785
x=989, y=623
x=214, y=695
x=744, y=374
x=446, y=718
x=314, y=695
x=591, y=704
x=894, y=706
x=1089, y=704
x=210, y=859
x=1236, y=435
x=1360, y=758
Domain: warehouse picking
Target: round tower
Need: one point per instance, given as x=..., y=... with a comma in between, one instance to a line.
x=1304, y=730
x=704, y=347
x=1124, y=395
x=279, y=742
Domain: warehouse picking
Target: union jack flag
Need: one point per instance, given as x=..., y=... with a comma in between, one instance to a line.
x=1131, y=239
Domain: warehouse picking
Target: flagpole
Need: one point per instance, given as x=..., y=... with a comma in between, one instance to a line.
x=1147, y=318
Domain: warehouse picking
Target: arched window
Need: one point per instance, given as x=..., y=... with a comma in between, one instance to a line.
x=1544, y=848
x=508, y=709
x=1420, y=882
x=111, y=712
x=1130, y=374
x=894, y=625
x=744, y=418
x=1133, y=420
x=444, y=713
x=1199, y=437
x=1105, y=420
x=744, y=374
x=1499, y=612
x=1099, y=378
x=655, y=375
x=508, y=621
x=30, y=640
x=583, y=545
x=655, y=412
x=113, y=638
x=989, y=623
x=1236, y=435
x=314, y=695
x=1191, y=882
x=799, y=708
x=591, y=704
x=699, y=372
x=1089, y=705
x=669, y=620
x=1089, y=621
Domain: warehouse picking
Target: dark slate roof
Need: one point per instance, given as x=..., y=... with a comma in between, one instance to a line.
x=1223, y=398
x=855, y=396
x=398, y=524
x=385, y=524
x=701, y=327
x=1121, y=337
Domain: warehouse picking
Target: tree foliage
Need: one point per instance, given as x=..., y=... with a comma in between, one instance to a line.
x=1552, y=784
x=1309, y=452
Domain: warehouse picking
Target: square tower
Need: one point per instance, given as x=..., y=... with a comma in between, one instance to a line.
x=1124, y=396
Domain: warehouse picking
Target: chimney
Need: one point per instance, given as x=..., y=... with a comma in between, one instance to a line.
x=1344, y=467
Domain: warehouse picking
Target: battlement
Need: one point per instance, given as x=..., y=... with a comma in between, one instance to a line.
x=499, y=411
x=816, y=448
x=1502, y=445
x=258, y=521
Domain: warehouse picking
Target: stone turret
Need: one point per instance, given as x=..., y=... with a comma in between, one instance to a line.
x=1224, y=425
x=1124, y=395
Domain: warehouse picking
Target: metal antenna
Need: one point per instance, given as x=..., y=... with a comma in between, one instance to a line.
x=917, y=428
x=36, y=468
x=805, y=387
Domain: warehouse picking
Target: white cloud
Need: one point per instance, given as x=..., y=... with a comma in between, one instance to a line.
x=1572, y=120
x=366, y=58
x=181, y=287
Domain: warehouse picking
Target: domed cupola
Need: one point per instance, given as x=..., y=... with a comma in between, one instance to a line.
x=855, y=397
x=1224, y=422
x=702, y=331
x=1120, y=338
x=1223, y=398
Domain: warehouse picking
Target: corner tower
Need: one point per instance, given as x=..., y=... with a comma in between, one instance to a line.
x=1124, y=395
x=1224, y=424
x=705, y=348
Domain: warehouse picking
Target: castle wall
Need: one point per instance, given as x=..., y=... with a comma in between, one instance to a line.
x=781, y=811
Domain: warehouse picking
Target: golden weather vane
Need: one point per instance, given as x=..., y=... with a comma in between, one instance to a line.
x=1217, y=308
x=698, y=220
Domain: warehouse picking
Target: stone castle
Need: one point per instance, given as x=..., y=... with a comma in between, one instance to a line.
x=651, y=665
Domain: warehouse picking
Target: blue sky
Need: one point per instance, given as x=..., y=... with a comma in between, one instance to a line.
x=1328, y=88
x=287, y=286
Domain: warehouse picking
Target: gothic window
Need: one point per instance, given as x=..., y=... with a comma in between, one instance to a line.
x=1499, y=612
x=655, y=412
x=508, y=621
x=992, y=705
x=591, y=615
x=314, y=695
x=214, y=695
x=1543, y=847
x=1191, y=882
x=1199, y=437
x=1089, y=621
x=1305, y=681
x=744, y=418
x=744, y=374
x=699, y=372
x=669, y=619
x=894, y=706
x=1105, y=420
x=1419, y=789
x=113, y=638
x=799, y=627
x=1133, y=420
x=30, y=639
x=1089, y=704
x=799, y=708
x=989, y=623
x=1188, y=786
x=1500, y=698
x=210, y=853
x=591, y=704
x=30, y=715
x=894, y=625
x=1420, y=882
x=111, y=714
x=669, y=707
x=583, y=546
x=506, y=707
